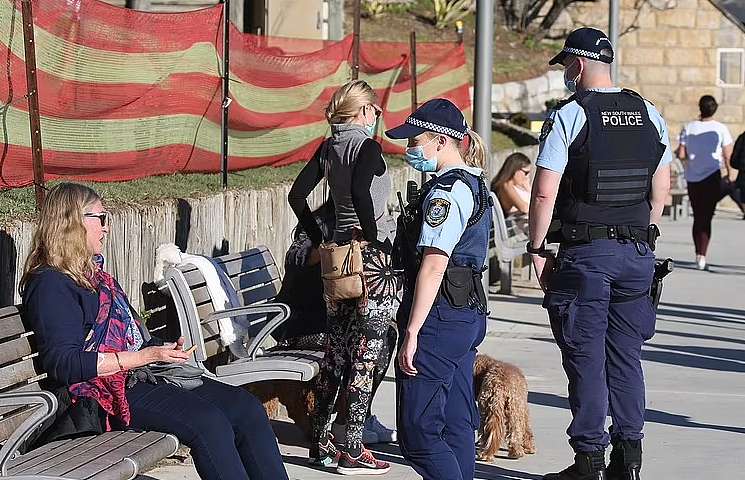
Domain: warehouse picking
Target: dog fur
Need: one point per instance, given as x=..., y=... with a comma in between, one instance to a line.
x=297, y=397
x=502, y=398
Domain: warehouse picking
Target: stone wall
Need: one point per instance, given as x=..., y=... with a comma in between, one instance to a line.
x=669, y=55
x=529, y=96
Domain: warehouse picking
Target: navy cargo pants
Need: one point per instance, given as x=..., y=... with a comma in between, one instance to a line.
x=437, y=415
x=600, y=318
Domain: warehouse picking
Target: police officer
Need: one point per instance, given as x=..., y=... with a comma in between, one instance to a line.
x=602, y=179
x=442, y=242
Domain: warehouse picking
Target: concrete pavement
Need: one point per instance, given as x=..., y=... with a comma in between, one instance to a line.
x=695, y=369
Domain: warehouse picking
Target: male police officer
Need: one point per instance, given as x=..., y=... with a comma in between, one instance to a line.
x=600, y=186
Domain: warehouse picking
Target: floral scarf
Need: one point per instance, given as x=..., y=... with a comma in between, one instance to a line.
x=109, y=334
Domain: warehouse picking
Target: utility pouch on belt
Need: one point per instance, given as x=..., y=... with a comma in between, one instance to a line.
x=462, y=287
x=457, y=286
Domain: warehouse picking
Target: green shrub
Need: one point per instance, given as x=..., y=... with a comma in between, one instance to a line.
x=448, y=12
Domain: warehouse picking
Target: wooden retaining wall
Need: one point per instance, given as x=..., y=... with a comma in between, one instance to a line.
x=212, y=225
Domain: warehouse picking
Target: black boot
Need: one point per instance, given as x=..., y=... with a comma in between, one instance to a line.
x=587, y=466
x=625, y=460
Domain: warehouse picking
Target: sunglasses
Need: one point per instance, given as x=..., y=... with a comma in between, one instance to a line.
x=102, y=217
x=378, y=111
x=526, y=172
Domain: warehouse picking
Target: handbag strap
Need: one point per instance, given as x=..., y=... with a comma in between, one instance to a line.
x=325, y=160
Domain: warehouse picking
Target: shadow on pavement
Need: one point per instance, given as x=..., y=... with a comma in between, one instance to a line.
x=653, y=416
x=510, y=299
x=715, y=268
x=708, y=309
x=692, y=357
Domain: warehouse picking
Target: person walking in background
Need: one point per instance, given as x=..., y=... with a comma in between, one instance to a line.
x=705, y=149
x=91, y=343
x=442, y=318
x=511, y=185
x=359, y=183
x=602, y=178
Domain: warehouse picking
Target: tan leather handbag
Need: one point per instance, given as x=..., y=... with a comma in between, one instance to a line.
x=342, y=271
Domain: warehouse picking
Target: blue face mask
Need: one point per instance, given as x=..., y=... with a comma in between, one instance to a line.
x=415, y=157
x=370, y=129
x=571, y=84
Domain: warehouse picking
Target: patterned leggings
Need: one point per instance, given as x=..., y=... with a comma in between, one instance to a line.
x=358, y=346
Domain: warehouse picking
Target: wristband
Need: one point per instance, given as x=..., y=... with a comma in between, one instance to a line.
x=536, y=251
x=119, y=361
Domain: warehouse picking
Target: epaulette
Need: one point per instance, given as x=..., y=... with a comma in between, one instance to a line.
x=635, y=94
x=565, y=102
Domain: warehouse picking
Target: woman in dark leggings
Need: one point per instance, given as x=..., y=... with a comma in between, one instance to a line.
x=705, y=148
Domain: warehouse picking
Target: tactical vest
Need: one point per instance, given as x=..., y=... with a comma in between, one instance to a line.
x=608, y=178
x=462, y=282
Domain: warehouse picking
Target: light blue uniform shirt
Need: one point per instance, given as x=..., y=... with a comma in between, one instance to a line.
x=446, y=213
x=568, y=122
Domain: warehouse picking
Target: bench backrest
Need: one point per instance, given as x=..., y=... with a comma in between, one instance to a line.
x=256, y=278
x=19, y=367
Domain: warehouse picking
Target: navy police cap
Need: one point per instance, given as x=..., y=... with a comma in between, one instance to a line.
x=584, y=42
x=438, y=115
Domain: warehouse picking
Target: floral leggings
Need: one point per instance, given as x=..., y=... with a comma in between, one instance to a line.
x=358, y=347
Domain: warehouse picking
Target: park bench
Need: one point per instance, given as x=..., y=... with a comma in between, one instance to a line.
x=680, y=204
x=256, y=278
x=24, y=405
x=506, y=245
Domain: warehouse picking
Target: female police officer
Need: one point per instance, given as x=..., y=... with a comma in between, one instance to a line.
x=442, y=242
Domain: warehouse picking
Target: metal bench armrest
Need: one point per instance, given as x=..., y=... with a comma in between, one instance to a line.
x=48, y=405
x=281, y=310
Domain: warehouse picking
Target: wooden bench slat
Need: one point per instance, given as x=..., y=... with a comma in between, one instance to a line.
x=12, y=421
x=11, y=324
x=14, y=350
x=105, y=453
x=257, y=277
x=261, y=294
x=97, y=443
x=31, y=387
x=37, y=455
x=18, y=373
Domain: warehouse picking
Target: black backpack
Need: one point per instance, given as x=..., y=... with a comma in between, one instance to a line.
x=737, y=160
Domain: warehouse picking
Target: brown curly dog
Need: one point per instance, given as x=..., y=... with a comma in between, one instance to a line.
x=502, y=398
x=297, y=397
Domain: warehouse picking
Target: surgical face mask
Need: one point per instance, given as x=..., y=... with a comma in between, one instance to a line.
x=370, y=129
x=571, y=84
x=415, y=157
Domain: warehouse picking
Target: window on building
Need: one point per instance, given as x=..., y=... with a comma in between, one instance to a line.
x=731, y=67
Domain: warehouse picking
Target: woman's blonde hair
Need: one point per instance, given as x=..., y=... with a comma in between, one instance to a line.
x=347, y=101
x=60, y=240
x=475, y=155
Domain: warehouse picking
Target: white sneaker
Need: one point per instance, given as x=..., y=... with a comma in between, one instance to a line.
x=340, y=434
x=701, y=262
x=384, y=434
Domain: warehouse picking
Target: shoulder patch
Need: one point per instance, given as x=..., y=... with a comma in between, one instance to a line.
x=548, y=125
x=437, y=212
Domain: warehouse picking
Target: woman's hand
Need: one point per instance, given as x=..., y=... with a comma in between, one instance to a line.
x=406, y=355
x=170, y=353
x=544, y=268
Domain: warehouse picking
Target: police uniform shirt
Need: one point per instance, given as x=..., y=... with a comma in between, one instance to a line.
x=446, y=212
x=562, y=127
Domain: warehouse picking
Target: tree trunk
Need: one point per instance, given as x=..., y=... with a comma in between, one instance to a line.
x=553, y=14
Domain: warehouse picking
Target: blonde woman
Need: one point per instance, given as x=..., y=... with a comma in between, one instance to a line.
x=442, y=317
x=359, y=183
x=92, y=344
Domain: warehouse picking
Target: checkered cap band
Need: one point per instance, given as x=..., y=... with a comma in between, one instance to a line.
x=582, y=53
x=437, y=128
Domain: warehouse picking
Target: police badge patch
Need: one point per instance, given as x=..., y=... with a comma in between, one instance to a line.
x=437, y=212
x=548, y=125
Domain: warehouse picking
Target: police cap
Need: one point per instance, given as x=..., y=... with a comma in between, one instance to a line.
x=585, y=42
x=437, y=115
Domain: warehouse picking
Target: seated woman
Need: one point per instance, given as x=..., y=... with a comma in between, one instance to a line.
x=512, y=187
x=91, y=344
x=302, y=290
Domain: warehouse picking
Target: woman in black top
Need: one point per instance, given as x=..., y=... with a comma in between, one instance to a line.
x=359, y=184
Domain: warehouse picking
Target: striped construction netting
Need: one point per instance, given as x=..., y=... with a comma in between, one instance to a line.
x=126, y=94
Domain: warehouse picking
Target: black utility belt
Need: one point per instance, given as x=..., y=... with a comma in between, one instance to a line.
x=588, y=233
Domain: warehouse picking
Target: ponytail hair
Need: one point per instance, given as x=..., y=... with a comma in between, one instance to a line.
x=476, y=154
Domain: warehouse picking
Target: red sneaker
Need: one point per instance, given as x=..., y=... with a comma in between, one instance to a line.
x=365, y=464
x=323, y=453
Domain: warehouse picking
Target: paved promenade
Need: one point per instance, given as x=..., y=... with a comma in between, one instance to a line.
x=695, y=368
